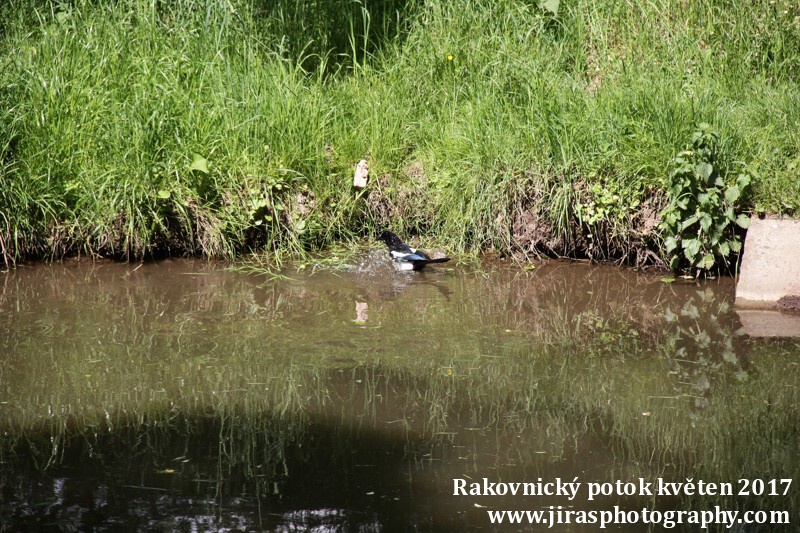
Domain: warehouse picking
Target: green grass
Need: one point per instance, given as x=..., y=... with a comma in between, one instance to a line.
x=215, y=127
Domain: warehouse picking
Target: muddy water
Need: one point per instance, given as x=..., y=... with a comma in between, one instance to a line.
x=186, y=396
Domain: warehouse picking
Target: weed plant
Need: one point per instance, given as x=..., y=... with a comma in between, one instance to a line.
x=701, y=214
x=141, y=128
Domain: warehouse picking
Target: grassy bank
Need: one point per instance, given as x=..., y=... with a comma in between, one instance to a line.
x=216, y=127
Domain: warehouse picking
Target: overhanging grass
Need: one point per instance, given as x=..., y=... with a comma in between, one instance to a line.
x=215, y=127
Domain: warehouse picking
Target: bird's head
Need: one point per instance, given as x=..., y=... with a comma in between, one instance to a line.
x=389, y=238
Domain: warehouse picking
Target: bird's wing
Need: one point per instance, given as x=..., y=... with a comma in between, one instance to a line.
x=420, y=253
x=403, y=248
x=412, y=256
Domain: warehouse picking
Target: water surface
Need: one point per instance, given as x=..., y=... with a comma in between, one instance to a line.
x=182, y=395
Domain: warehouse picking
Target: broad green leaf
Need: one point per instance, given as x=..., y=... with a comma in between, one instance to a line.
x=724, y=249
x=688, y=222
x=670, y=243
x=706, y=262
x=732, y=194
x=736, y=246
x=551, y=6
x=743, y=221
x=199, y=164
x=671, y=218
x=704, y=170
x=705, y=222
x=743, y=181
x=691, y=248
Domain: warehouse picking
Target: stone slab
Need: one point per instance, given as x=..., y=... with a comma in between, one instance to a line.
x=770, y=263
x=762, y=323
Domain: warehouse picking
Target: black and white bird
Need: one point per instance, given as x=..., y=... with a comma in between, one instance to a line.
x=406, y=257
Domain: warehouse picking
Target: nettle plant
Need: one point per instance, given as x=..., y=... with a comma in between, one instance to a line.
x=699, y=221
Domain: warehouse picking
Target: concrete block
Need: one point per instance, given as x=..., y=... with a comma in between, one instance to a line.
x=770, y=268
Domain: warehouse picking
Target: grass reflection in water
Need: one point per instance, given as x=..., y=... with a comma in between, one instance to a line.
x=208, y=397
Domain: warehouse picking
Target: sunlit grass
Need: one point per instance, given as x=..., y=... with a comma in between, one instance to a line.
x=472, y=116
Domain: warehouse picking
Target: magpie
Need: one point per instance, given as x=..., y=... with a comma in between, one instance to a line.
x=406, y=257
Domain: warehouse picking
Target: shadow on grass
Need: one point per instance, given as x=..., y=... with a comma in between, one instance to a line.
x=333, y=34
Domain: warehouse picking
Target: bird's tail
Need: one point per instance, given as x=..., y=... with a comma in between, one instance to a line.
x=429, y=261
